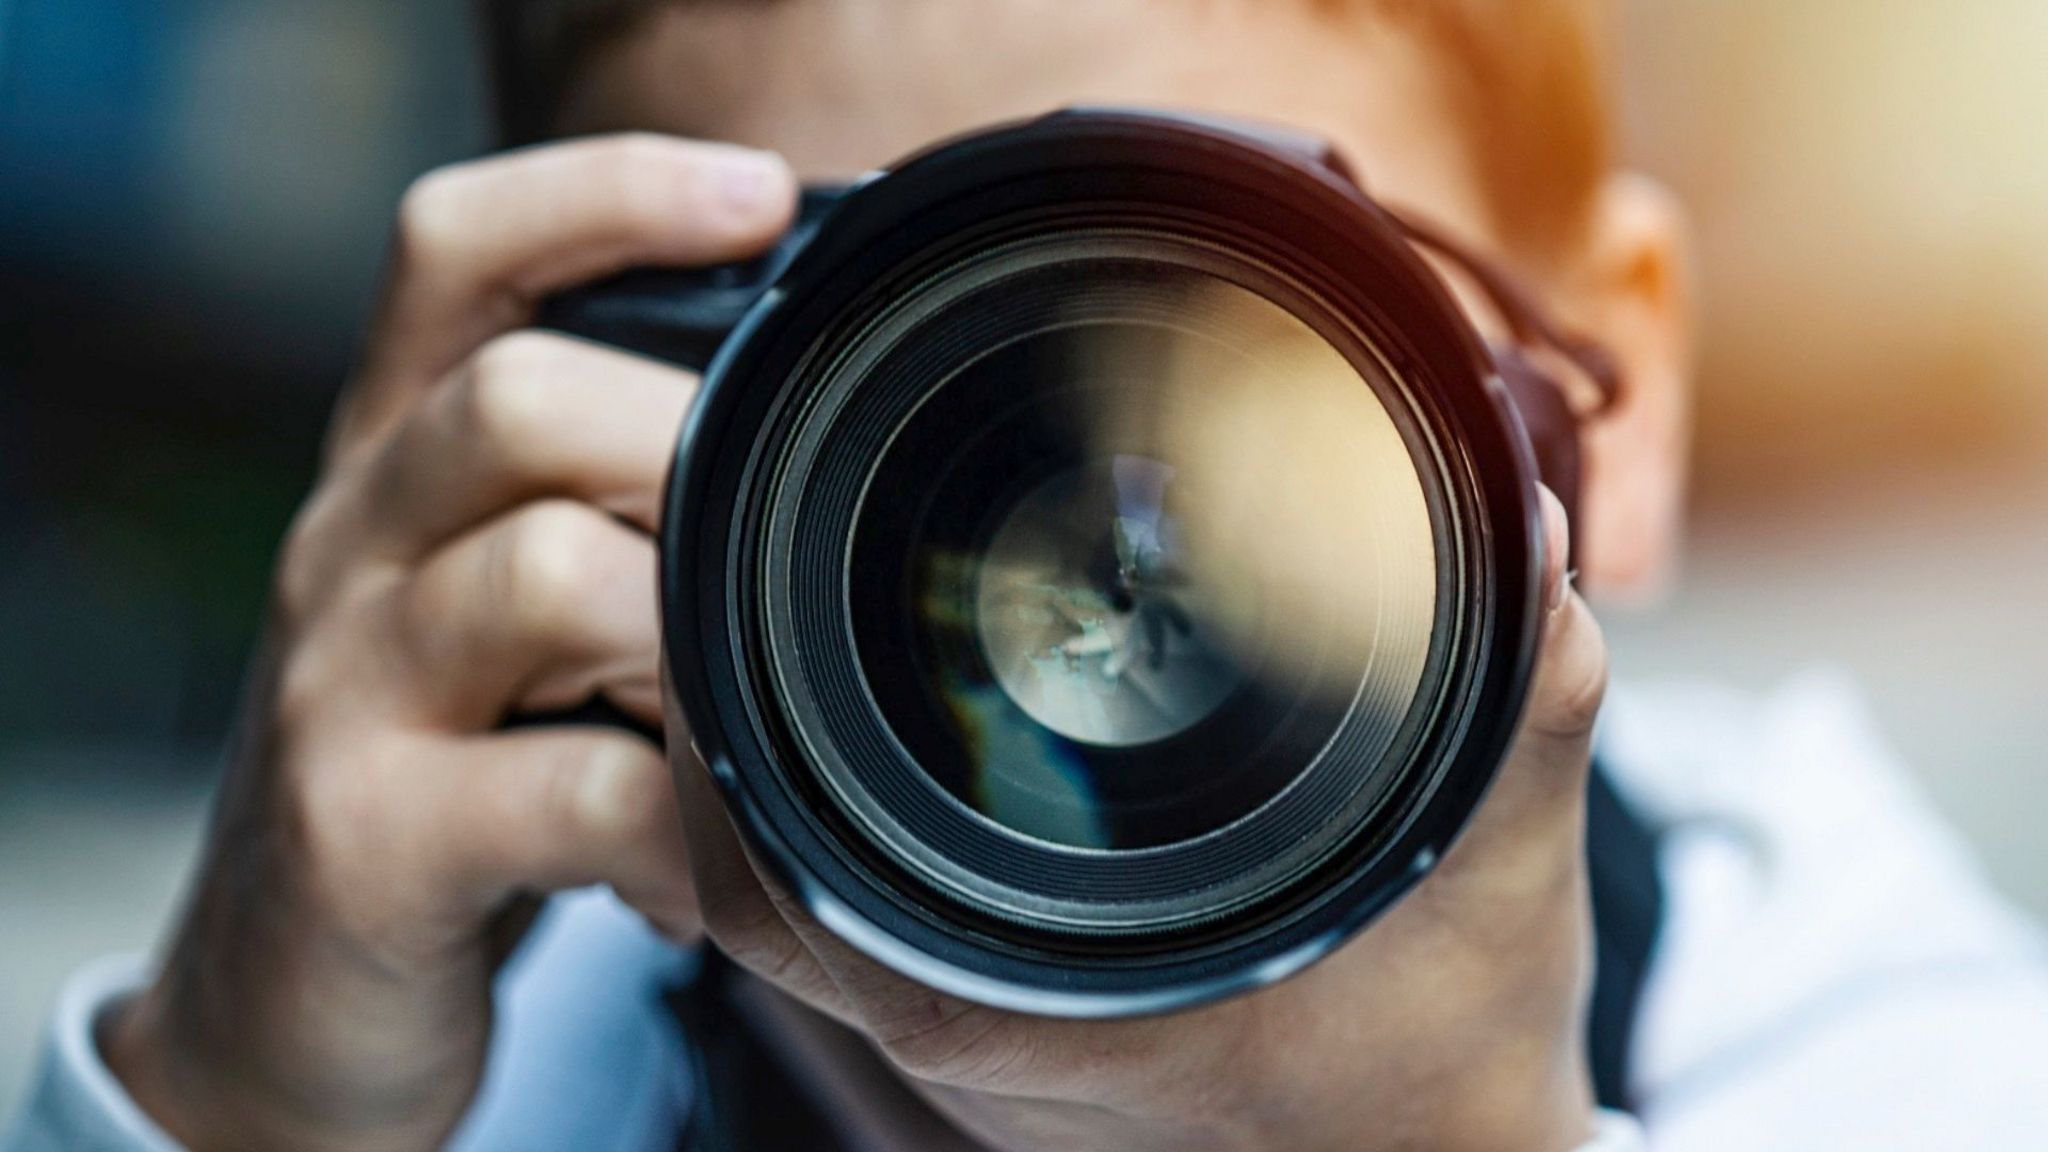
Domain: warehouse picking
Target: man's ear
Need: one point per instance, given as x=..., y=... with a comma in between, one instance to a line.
x=1633, y=293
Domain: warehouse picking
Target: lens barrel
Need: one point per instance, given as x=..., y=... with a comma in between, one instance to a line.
x=1102, y=570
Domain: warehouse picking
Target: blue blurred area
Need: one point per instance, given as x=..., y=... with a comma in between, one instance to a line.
x=193, y=196
x=193, y=199
x=80, y=119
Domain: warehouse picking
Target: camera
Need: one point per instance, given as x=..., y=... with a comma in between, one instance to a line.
x=1101, y=568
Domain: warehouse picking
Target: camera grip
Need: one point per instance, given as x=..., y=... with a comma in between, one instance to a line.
x=1551, y=425
x=683, y=315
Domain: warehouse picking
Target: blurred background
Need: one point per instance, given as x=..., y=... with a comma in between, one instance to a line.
x=193, y=197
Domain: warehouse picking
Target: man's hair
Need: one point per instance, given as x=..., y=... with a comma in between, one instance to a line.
x=1528, y=77
x=537, y=48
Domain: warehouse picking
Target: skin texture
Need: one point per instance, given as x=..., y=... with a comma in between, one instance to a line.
x=478, y=545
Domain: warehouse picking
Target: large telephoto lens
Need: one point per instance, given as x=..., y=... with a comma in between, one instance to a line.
x=1101, y=574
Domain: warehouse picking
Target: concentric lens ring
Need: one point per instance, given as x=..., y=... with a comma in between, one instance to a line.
x=824, y=477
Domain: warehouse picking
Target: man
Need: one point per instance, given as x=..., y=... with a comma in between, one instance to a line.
x=1831, y=973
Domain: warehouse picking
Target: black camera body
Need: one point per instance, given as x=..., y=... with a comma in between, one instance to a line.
x=938, y=612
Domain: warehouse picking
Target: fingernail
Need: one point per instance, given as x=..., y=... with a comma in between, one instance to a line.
x=750, y=181
x=1557, y=538
x=1563, y=589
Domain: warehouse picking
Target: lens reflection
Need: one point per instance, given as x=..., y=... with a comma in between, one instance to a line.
x=1151, y=560
x=1087, y=617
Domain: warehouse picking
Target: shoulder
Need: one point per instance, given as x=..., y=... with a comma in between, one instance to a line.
x=1806, y=820
x=1828, y=938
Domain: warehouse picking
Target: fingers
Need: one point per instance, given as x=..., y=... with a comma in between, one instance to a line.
x=928, y=1034
x=361, y=861
x=1537, y=802
x=531, y=415
x=537, y=611
x=1571, y=671
x=547, y=810
x=739, y=913
x=415, y=813
x=478, y=244
x=535, y=416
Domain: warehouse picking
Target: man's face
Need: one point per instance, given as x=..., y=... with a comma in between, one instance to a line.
x=845, y=86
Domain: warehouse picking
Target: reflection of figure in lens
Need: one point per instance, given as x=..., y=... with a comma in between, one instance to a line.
x=1089, y=567
x=1080, y=612
x=1143, y=568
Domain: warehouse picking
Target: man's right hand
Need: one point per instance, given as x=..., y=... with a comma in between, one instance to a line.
x=478, y=547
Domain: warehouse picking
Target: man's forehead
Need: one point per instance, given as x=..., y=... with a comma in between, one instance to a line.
x=841, y=86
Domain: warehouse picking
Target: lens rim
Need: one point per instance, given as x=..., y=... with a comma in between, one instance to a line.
x=1279, y=196
x=814, y=499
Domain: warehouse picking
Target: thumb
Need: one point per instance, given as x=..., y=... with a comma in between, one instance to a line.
x=1542, y=785
x=1570, y=684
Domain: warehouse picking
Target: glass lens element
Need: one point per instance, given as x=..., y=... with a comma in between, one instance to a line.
x=1153, y=559
x=1086, y=615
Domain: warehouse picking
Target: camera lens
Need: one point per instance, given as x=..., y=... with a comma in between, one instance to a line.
x=1069, y=632
x=1101, y=571
x=1083, y=614
x=1138, y=573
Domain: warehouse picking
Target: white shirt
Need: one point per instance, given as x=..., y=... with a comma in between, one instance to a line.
x=1834, y=972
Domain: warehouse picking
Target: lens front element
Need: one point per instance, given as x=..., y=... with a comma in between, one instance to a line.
x=1140, y=575
x=1102, y=572
x=1086, y=614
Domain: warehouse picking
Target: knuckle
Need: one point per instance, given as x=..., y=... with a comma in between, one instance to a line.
x=549, y=573
x=319, y=559
x=304, y=565
x=505, y=397
x=305, y=691
x=620, y=797
x=325, y=604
